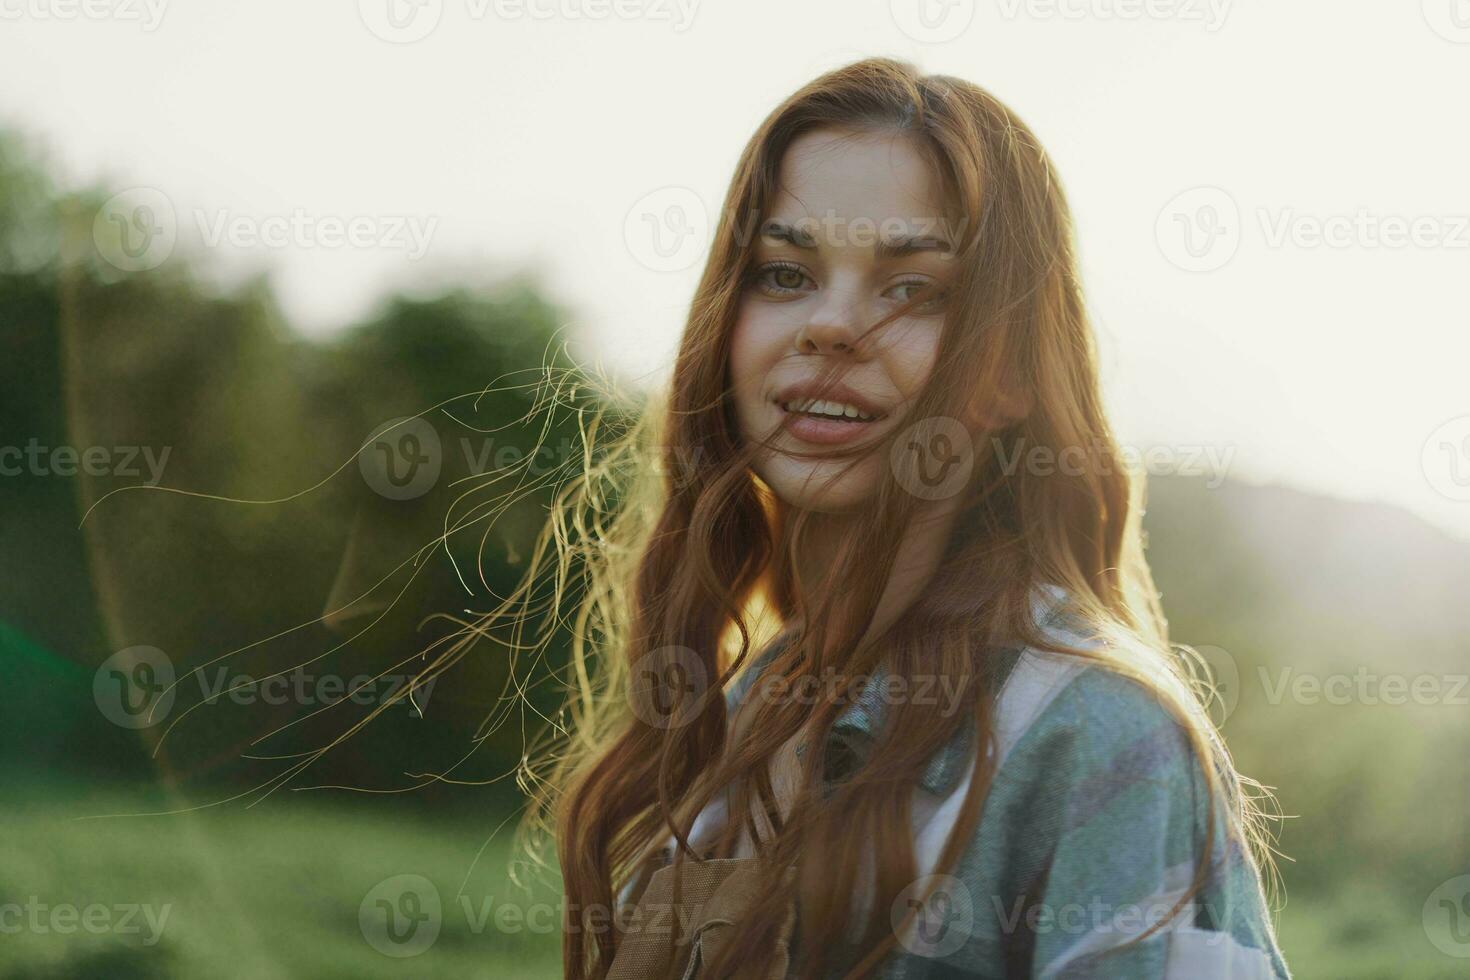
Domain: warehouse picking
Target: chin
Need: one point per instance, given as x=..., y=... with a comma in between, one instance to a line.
x=822, y=487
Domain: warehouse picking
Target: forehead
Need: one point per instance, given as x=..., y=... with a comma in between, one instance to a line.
x=850, y=175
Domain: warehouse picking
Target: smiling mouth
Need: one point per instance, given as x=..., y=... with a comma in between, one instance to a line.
x=827, y=410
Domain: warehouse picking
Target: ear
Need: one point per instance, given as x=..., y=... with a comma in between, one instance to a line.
x=995, y=410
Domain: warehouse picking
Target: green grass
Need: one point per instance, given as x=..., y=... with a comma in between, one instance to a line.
x=276, y=892
x=269, y=892
x=1362, y=931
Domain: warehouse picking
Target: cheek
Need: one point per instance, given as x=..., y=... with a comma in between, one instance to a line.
x=742, y=372
x=742, y=352
x=909, y=354
x=756, y=345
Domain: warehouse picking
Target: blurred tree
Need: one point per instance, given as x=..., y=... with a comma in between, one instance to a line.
x=215, y=395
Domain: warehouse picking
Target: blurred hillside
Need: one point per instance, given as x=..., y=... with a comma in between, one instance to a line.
x=1361, y=597
x=1369, y=578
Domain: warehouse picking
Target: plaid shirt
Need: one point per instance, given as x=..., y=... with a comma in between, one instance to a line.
x=1090, y=832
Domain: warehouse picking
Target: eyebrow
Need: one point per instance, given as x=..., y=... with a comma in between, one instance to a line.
x=893, y=248
x=781, y=232
x=900, y=247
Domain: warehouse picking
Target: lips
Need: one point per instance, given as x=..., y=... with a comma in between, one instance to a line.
x=827, y=415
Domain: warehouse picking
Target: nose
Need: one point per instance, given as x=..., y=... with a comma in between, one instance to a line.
x=834, y=327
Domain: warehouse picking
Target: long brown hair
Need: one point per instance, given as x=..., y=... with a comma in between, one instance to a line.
x=670, y=543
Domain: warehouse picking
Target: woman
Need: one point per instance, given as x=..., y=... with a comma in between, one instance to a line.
x=863, y=685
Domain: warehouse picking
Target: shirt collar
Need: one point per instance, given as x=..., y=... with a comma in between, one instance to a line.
x=859, y=724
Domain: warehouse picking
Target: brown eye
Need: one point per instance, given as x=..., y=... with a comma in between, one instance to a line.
x=904, y=292
x=781, y=279
x=788, y=278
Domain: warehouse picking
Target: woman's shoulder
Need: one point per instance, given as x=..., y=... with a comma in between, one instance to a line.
x=1081, y=701
x=1099, y=811
x=1083, y=751
x=1089, y=711
x=1094, y=828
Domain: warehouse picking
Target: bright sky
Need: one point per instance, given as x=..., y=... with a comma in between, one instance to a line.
x=1299, y=312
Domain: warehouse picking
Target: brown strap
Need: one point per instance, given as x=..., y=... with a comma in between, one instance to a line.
x=664, y=940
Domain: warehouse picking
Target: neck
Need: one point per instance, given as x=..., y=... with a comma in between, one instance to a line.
x=919, y=553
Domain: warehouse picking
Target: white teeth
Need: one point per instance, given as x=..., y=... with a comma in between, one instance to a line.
x=816, y=406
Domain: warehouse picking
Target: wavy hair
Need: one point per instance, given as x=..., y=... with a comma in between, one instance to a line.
x=667, y=541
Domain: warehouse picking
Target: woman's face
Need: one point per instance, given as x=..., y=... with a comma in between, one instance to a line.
x=858, y=227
